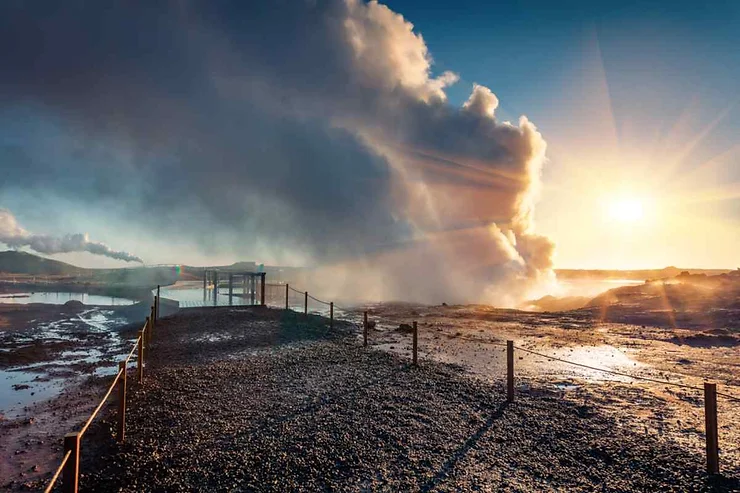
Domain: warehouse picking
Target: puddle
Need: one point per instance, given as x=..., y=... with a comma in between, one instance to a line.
x=566, y=386
x=102, y=320
x=13, y=402
x=604, y=357
x=100, y=348
x=489, y=360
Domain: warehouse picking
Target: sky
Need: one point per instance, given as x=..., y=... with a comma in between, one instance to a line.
x=336, y=133
x=638, y=102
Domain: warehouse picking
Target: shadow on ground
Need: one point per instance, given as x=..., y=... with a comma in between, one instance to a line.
x=263, y=400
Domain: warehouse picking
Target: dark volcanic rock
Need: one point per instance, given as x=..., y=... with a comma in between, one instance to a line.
x=263, y=400
x=405, y=329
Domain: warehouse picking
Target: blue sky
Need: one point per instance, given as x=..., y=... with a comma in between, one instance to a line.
x=656, y=75
x=656, y=55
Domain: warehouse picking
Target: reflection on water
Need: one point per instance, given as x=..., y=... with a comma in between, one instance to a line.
x=191, y=294
x=61, y=297
x=19, y=389
x=605, y=357
x=25, y=385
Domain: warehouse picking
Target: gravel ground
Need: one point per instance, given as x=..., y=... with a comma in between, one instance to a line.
x=263, y=400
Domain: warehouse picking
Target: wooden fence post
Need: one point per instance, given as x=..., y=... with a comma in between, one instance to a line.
x=71, y=474
x=710, y=420
x=331, y=314
x=140, y=359
x=416, y=344
x=510, y=371
x=231, y=288
x=157, y=305
x=263, y=277
x=287, y=293
x=305, y=303
x=122, y=402
x=253, y=296
x=364, y=330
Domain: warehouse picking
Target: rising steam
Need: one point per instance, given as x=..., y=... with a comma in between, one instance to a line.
x=16, y=237
x=306, y=131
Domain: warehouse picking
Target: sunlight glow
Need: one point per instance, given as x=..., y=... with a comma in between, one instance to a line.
x=628, y=210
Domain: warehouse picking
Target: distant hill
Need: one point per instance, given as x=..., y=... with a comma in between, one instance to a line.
x=15, y=263
x=27, y=264
x=12, y=262
x=637, y=275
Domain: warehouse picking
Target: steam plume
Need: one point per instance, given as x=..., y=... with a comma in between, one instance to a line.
x=16, y=237
x=290, y=131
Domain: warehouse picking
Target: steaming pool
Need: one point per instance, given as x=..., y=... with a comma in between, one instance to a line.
x=190, y=294
x=61, y=297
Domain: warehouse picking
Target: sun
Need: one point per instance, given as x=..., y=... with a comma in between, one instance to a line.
x=626, y=210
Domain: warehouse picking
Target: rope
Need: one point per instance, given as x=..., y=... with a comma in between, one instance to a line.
x=89, y=421
x=97, y=409
x=621, y=374
x=729, y=396
x=344, y=309
x=131, y=354
x=304, y=294
x=53, y=480
x=318, y=300
x=611, y=372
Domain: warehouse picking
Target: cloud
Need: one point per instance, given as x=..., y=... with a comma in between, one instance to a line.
x=313, y=130
x=14, y=236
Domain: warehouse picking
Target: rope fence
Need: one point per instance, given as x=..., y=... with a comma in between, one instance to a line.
x=54, y=478
x=710, y=389
x=319, y=301
x=603, y=370
x=69, y=468
x=627, y=375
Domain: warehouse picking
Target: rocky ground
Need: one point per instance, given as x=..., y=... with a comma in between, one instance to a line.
x=38, y=334
x=264, y=400
x=472, y=337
